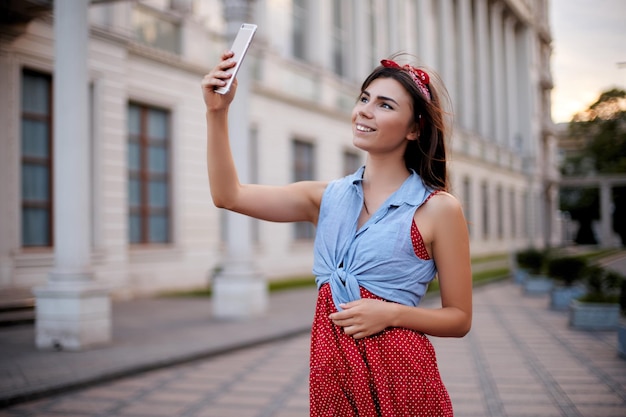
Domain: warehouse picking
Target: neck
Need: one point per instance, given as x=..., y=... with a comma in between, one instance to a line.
x=383, y=175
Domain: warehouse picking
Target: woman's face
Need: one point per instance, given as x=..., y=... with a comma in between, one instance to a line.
x=382, y=119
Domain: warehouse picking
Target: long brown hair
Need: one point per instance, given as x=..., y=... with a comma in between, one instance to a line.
x=427, y=154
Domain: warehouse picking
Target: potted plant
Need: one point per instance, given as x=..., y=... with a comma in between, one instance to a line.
x=599, y=308
x=566, y=272
x=621, y=330
x=520, y=266
x=533, y=261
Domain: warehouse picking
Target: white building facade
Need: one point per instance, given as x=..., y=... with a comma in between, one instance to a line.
x=150, y=220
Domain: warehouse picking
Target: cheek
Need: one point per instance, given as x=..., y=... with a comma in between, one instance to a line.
x=355, y=112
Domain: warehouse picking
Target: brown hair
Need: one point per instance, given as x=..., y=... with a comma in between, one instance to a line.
x=427, y=154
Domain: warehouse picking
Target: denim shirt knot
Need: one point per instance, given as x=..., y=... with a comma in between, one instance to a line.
x=378, y=256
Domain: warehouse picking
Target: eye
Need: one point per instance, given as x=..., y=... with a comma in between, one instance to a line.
x=363, y=98
x=386, y=106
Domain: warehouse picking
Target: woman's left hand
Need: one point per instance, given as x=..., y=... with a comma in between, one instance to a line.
x=364, y=317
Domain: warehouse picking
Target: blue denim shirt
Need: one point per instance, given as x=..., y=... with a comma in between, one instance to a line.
x=379, y=256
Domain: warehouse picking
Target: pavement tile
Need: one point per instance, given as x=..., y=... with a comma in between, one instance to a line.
x=75, y=404
x=227, y=411
x=293, y=413
x=150, y=409
x=107, y=392
x=602, y=411
x=532, y=410
x=174, y=397
x=520, y=360
x=253, y=400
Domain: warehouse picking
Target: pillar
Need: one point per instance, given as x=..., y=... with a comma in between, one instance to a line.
x=484, y=84
x=466, y=96
x=72, y=311
x=427, y=34
x=606, y=219
x=447, y=51
x=498, y=72
x=239, y=290
x=512, y=97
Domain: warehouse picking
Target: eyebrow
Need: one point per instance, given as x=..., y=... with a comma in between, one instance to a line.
x=384, y=98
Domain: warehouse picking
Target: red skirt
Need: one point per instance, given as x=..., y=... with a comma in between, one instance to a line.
x=393, y=373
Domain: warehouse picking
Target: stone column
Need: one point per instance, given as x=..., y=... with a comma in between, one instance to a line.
x=362, y=64
x=427, y=34
x=606, y=229
x=239, y=291
x=498, y=72
x=466, y=96
x=512, y=81
x=72, y=312
x=447, y=49
x=393, y=16
x=483, y=87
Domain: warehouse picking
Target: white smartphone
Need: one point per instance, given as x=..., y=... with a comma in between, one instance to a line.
x=240, y=47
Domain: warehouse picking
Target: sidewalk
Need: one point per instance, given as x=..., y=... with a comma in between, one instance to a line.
x=147, y=334
x=520, y=359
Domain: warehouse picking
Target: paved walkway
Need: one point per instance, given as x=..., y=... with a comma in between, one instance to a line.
x=519, y=360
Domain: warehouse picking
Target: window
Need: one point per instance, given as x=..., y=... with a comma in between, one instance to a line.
x=303, y=163
x=351, y=162
x=485, y=198
x=526, y=215
x=467, y=202
x=500, y=212
x=513, y=214
x=156, y=30
x=148, y=175
x=36, y=159
x=339, y=35
x=372, y=20
x=299, y=29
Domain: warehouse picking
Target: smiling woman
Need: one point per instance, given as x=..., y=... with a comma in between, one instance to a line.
x=383, y=234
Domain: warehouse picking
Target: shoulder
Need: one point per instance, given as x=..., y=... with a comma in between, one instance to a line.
x=446, y=212
x=443, y=200
x=442, y=206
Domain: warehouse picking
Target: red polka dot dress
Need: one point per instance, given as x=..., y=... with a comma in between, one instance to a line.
x=393, y=373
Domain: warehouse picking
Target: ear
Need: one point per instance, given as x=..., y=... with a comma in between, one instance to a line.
x=414, y=132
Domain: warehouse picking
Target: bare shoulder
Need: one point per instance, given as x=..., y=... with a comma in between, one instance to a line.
x=444, y=203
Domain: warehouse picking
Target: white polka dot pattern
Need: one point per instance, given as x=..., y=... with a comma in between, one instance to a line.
x=418, y=243
x=393, y=373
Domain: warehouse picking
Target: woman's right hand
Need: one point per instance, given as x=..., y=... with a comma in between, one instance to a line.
x=217, y=78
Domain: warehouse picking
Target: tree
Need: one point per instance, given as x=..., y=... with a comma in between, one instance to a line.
x=601, y=129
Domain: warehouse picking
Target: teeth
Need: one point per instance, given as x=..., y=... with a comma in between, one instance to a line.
x=362, y=128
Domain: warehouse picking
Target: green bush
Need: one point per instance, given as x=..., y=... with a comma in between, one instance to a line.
x=603, y=286
x=567, y=269
x=531, y=260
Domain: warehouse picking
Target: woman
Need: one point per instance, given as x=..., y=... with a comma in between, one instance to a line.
x=382, y=235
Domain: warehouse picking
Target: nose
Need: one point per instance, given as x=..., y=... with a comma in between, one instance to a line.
x=365, y=112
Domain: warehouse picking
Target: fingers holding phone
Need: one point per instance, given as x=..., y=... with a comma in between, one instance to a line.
x=220, y=76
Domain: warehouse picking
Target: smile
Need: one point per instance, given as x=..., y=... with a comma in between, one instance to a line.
x=362, y=128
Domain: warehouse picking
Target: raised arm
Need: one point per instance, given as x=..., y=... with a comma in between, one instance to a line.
x=294, y=202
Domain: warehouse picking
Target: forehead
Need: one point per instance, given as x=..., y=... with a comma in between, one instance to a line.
x=388, y=87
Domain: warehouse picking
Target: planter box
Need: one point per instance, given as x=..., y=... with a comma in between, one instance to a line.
x=519, y=276
x=621, y=340
x=594, y=316
x=561, y=297
x=537, y=285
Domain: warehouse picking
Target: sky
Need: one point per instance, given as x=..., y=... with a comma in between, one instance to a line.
x=588, y=43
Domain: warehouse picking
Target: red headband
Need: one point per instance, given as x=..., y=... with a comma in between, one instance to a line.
x=420, y=77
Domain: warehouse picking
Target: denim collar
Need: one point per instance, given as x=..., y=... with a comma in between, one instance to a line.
x=406, y=194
